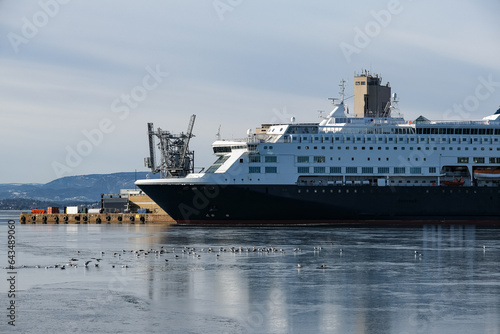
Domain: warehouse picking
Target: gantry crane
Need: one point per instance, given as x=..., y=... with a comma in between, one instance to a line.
x=176, y=158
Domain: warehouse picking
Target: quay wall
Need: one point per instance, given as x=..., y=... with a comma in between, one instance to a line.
x=96, y=218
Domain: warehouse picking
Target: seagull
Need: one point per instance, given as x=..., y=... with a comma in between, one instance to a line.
x=323, y=266
x=299, y=266
x=87, y=263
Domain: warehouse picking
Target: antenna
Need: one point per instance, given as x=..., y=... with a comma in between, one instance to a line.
x=342, y=90
x=217, y=135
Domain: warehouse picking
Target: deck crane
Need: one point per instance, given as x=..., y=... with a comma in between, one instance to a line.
x=176, y=160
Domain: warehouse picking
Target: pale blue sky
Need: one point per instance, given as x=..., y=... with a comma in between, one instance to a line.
x=67, y=67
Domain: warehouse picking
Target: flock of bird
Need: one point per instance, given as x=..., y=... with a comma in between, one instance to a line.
x=74, y=262
x=171, y=253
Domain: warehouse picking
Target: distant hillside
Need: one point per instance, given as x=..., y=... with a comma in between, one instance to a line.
x=82, y=188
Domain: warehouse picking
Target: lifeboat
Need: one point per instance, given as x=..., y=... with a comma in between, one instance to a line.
x=487, y=174
x=454, y=182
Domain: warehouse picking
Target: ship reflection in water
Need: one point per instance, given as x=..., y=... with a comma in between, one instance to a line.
x=431, y=279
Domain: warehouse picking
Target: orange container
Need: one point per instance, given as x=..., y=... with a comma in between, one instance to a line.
x=52, y=209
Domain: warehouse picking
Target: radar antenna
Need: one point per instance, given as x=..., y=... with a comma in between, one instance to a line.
x=176, y=159
x=342, y=93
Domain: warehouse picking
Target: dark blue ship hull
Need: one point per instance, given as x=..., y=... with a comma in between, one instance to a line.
x=342, y=205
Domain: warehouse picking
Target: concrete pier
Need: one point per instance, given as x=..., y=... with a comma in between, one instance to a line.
x=96, y=218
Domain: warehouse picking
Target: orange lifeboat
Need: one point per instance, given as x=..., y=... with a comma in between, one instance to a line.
x=454, y=182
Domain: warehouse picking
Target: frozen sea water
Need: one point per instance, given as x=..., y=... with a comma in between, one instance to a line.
x=376, y=284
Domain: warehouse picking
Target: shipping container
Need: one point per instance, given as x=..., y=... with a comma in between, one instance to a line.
x=94, y=210
x=37, y=211
x=52, y=209
x=72, y=209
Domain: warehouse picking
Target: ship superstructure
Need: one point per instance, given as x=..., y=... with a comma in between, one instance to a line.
x=345, y=169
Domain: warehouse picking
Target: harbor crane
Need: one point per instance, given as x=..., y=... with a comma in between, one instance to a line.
x=176, y=160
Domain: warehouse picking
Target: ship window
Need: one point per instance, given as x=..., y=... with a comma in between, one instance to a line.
x=303, y=170
x=399, y=170
x=217, y=164
x=383, y=170
x=265, y=147
x=319, y=159
x=254, y=169
x=335, y=170
x=478, y=160
x=415, y=170
x=271, y=169
x=299, y=147
x=494, y=160
x=351, y=170
x=271, y=158
x=319, y=170
x=254, y=158
x=222, y=149
x=462, y=160
x=367, y=170
x=302, y=158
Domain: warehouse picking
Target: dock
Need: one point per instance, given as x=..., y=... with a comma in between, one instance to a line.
x=96, y=218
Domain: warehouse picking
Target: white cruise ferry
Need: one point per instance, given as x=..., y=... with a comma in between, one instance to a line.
x=369, y=168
